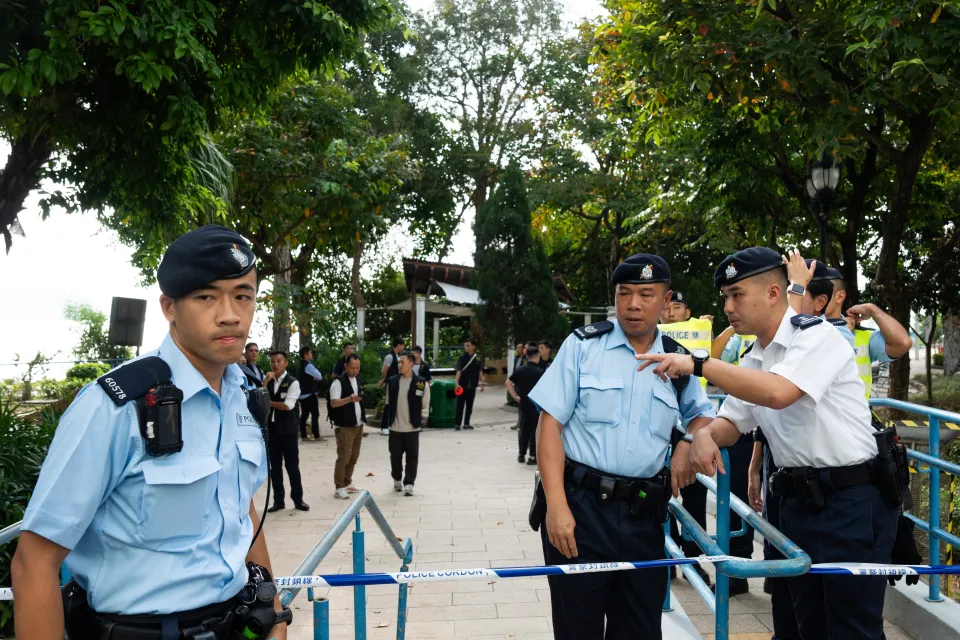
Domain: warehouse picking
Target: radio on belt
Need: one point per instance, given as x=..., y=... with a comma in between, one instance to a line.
x=160, y=420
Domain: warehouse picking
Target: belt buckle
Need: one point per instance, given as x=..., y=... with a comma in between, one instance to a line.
x=607, y=486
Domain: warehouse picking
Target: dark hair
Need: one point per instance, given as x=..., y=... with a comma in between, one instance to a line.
x=545, y=343
x=470, y=341
x=397, y=341
x=351, y=358
x=251, y=344
x=346, y=344
x=279, y=353
x=304, y=351
x=409, y=356
x=532, y=350
x=819, y=288
x=418, y=349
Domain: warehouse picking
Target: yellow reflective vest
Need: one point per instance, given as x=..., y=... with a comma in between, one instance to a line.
x=861, y=348
x=692, y=334
x=745, y=343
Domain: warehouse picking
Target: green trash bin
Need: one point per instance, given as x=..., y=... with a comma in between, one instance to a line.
x=443, y=404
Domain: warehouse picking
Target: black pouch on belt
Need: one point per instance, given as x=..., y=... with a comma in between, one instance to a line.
x=538, y=507
x=806, y=487
x=650, y=496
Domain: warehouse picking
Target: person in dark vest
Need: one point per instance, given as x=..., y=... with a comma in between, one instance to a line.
x=346, y=413
x=309, y=402
x=420, y=366
x=341, y=364
x=250, y=368
x=391, y=367
x=284, y=448
x=546, y=349
x=469, y=377
x=520, y=384
x=409, y=396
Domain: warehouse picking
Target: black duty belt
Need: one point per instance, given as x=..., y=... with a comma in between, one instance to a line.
x=610, y=486
x=844, y=477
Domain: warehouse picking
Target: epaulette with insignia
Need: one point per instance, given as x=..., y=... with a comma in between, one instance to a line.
x=837, y=322
x=804, y=321
x=134, y=380
x=672, y=346
x=594, y=330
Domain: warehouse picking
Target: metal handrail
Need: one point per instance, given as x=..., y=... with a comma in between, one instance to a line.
x=9, y=533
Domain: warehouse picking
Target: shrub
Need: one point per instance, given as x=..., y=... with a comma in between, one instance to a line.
x=938, y=359
x=87, y=371
x=946, y=392
x=24, y=441
x=372, y=395
x=58, y=389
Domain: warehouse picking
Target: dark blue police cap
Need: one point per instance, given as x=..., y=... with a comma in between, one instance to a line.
x=833, y=274
x=679, y=297
x=820, y=273
x=202, y=256
x=641, y=268
x=746, y=263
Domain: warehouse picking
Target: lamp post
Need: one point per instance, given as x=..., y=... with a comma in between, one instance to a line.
x=823, y=181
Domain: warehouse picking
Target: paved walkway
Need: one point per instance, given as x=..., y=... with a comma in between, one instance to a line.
x=470, y=510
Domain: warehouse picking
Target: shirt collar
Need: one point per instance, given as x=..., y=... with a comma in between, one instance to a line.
x=618, y=338
x=785, y=330
x=186, y=376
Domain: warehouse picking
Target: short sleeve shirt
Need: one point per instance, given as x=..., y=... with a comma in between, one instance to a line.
x=469, y=373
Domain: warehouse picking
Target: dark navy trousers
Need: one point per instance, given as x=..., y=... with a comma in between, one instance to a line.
x=784, y=620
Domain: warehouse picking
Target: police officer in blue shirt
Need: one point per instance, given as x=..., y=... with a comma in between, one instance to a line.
x=146, y=492
x=602, y=445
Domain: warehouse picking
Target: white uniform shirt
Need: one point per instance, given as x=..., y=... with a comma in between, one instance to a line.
x=829, y=426
x=335, y=395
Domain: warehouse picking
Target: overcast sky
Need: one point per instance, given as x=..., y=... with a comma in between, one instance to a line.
x=71, y=259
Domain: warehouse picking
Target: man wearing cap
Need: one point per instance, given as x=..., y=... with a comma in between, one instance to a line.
x=146, y=492
x=602, y=444
x=799, y=382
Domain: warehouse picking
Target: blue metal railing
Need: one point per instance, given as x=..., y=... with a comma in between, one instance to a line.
x=934, y=466
x=321, y=606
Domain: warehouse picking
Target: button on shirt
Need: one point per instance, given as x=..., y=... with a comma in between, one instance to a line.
x=829, y=426
x=616, y=419
x=153, y=534
x=335, y=395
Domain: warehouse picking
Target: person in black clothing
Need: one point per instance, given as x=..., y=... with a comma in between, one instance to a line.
x=391, y=367
x=308, y=378
x=469, y=377
x=341, y=365
x=545, y=350
x=420, y=366
x=283, y=445
x=520, y=384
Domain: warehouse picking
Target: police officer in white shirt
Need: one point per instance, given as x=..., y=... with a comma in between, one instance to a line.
x=800, y=383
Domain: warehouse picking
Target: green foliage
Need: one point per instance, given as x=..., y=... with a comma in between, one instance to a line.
x=23, y=446
x=94, y=341
x=946, y=392
x=58, y=389
x=87, y=371
x=126, y=93
x=512, y=273
x=938, y=359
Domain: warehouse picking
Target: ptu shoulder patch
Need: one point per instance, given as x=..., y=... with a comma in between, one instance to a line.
x=804, y=321
x=594, y=330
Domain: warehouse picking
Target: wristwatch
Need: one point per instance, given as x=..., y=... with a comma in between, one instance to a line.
x=687, y=437
x=796, y=289
x=699, y=357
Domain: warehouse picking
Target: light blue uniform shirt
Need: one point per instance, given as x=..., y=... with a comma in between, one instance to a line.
x=616, y=419
x=314, y=373
x=153, y=534
x=877, y=344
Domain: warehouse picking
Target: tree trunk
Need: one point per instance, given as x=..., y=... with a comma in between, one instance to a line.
x=281, y=297
x=19, y=178
x=951, y=344
x=929, y=345
x=356, y=291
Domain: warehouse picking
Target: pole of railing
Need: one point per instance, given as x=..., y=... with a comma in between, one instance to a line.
x=722, y=627
x=402, y=600
x=359, y=591
x=667, y=606
x=934, y=595
x=321, y=616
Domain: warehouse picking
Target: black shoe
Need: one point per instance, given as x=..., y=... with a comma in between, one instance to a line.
x=301, y=506
x=468, y=427
x=457, y=427
x=531, y=461
x=768, y=586
x=276, y=507
x=673, y=573
x=521, y=458
x=702, y=573
x=739, y=586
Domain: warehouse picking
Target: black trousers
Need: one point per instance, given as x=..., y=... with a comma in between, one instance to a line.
x=404, y=443
x=310, y=407
x=629, y=602
x=694, y=499
x=740, y=453
x=528, y=431
x=386, y=417
x=855, y=525
x=285, y=451
x=465, y=406
x=784, y=619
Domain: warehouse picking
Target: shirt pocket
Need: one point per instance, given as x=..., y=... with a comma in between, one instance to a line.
x=664, y=411
x=251, y=457
x=600, y=399
x=177, y=496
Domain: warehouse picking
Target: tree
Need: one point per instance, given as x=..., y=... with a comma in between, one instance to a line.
x=474, y=58
x=869, y=82
x=116, y=99
x=512, y=274
x=94, y=341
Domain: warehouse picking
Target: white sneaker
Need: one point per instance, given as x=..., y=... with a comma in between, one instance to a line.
x=397, y=485
x=408, y=490
x=341, y=494
x=384, y=432
x=352, y=489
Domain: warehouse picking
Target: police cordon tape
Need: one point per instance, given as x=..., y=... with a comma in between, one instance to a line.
x=412, y=577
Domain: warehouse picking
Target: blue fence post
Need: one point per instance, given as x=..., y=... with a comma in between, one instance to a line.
x=321, y=616
x=402, y=600
x=722, y=626
x=359, y=592
x=934, y=595
x=667, y=605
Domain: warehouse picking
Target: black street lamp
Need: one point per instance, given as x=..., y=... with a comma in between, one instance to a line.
x=823, y=181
